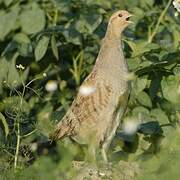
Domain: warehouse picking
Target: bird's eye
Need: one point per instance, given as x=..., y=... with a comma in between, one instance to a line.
x=120, y=15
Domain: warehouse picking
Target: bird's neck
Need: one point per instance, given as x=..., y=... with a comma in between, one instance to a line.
x=111, y=58
x=113, y=33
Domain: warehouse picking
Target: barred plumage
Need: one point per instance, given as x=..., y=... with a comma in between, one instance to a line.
x=94, y=117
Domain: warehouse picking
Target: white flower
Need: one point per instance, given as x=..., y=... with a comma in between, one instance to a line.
x=86, y=90
x=176, y=4
x=20, y=66
x=34, y=146
x=130, y=126
x=51, y=86
x=44, y=75
x=176, y=14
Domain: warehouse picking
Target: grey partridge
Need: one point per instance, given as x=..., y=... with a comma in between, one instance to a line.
x=97, y=111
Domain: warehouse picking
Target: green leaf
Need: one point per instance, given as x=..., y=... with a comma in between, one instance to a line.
x=25, y=74
x=146, y=3
x=8, y=22
x=32, y=20
x=88, y=23
x=133, y=63
x=140, y=85
x=8, y=2
x=3, y=71
x=171, y=89
x=131, y=141
x=44, y=123
x=140, y=47
x=160, y=115
x=176, y=36
x=25, y=50
x=13, y=79
x=144, y=99
x=24, y=44
x=126, y=137
x=21, y=38
x=92, y=22
x=138, y=14
x=176, y=71
x=150, y=128
x=140, y=110
x=12, y=105
x=170, y=59
x=54, y=47
x=9, y=72
x=154, y=86
x=41, y=48
x=72, y=36
x=5, y=124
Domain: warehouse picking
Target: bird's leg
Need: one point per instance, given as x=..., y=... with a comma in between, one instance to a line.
x=103, y=152
x=91, y=154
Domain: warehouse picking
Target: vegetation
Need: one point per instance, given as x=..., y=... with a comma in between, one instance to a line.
x=48, y=47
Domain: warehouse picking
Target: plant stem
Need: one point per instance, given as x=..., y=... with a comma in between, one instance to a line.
x=32, y=81
x=159, y=22
x=24, y=89
x=55, y=17
x=18, y=128
x=77, y=67
x=26, y=135
x=6, y=151
x=17, y=146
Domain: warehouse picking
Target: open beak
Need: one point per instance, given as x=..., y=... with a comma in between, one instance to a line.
x=128, y=19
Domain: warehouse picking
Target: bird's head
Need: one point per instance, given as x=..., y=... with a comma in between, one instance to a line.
x=119, y=21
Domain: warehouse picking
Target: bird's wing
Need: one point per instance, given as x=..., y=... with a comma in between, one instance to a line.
x=86, y=107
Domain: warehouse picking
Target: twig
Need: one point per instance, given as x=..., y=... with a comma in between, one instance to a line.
x=6, y=151
x=26, y=135
x=159, y=22
x=17, y=146
x=55, y=17
x=32, y=81
x=34, y=92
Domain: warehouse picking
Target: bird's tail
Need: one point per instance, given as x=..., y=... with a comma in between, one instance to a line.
x=61, y=131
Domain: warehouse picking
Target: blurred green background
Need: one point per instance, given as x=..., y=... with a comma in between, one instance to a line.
x=47, y=48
